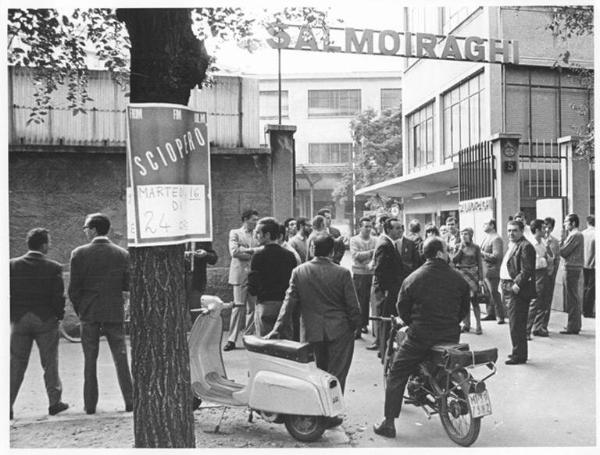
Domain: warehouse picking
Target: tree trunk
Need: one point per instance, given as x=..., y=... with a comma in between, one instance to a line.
x=167, y=61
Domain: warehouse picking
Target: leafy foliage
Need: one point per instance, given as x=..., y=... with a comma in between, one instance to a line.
x=378, y=155
x=568, y=22
x=60, y=44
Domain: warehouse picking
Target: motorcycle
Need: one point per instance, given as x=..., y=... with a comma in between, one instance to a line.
x=284, y=385
x=445, y=384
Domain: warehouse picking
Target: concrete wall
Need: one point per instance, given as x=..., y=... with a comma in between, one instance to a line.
x=56, y=190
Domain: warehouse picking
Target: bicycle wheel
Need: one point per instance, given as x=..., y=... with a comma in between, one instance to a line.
x=457, y=418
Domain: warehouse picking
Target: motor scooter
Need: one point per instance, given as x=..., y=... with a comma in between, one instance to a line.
x=284, y=386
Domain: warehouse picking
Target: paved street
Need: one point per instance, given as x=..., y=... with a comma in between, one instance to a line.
x=550, y=401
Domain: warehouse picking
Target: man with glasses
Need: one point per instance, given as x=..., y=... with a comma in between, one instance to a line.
x=99, y=282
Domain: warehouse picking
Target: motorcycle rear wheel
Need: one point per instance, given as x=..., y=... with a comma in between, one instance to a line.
x=305, y=428
x=457, y=418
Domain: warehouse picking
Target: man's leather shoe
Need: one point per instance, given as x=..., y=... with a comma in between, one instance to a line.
x=90, y=411
x=129, y=407
x=513, y=361
x=11, y=415
x=385, y=429
x=230, y=346
x=58, y=407
x=489, y=318
x=501, y=321
x=357, y=335
x=372, y=347
x=332, y=422
x=529, y=338
x=568, y=332
x=364, y=330
x=537, y=333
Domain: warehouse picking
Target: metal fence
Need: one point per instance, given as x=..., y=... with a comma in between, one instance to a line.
x=540, y=164
x=476, y=176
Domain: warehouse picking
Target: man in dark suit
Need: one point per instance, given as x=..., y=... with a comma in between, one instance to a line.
x=409, y=252
x=195, y=277
x=388, y=274
x=329, y=310
x=37, y=303
x=517, y=279
x=99, y=277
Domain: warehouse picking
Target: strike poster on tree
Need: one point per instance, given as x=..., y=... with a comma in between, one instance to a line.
x=168, y=175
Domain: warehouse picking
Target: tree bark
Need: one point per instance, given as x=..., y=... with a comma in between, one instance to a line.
x=167, y=61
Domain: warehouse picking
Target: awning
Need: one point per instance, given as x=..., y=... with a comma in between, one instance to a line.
x=433, y=180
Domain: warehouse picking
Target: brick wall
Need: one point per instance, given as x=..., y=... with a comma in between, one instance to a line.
x=57, y=189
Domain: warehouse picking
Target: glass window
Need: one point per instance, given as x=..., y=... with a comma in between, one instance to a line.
x=553, y=104
x=455, y=15
x=269, y=104
x=420, y=127
x=462, y=116
x=391, y=98
x=333, y=103
x=329, y=153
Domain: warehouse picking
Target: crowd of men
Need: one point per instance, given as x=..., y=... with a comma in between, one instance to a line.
x=287, y=283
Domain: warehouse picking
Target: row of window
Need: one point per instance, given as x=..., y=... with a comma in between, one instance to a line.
x=327, y=103
x=539, y=104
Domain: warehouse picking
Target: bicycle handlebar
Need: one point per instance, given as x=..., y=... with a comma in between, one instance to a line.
x=395, y=320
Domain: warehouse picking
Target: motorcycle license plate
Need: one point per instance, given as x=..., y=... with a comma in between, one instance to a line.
x=480, y=404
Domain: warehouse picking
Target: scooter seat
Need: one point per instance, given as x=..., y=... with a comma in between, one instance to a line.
x=286, y=349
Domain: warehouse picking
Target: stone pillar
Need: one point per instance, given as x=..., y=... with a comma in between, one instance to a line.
x=283, y=169
x=575, y=178
x=506, y=154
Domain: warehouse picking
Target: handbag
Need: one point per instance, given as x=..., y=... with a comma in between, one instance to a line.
x=483, y=295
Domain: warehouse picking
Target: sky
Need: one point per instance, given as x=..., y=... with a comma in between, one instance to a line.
x=354, y=14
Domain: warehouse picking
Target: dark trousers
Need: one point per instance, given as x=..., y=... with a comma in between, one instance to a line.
x=335, y=356
x=539, y=306
x=45, y=333
x=589, y=293
x=518, y=310
x=573, y=302
x=90, y=342
x=265, y=316
x=495, y=307
x=362, y=284
x=549, y=294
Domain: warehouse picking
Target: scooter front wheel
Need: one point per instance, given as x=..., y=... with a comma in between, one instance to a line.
x=305, y=428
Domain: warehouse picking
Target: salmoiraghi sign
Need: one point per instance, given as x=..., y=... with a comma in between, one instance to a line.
x=390, y=42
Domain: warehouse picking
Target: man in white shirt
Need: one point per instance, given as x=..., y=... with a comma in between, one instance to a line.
x=300, y=241
x=362, y=247
x=539, y=305
x=589, y=268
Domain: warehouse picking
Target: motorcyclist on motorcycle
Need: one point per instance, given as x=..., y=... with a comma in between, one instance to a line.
x=432, y=302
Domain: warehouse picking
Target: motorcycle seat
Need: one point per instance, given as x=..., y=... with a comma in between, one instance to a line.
x=285, y=349
x=457, y=359
x=438, y=352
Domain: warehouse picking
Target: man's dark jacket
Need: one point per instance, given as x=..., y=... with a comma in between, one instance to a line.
x=388, y=273
x=339, y=249
x=432, y=302
x=198, y=275
x=521, y=268
x=99, y=275
x=36, y=285
x=270, y=272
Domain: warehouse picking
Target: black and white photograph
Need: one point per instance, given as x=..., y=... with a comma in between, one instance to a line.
x=300, y=225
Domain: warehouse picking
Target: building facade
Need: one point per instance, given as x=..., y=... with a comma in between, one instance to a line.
x=322, y=106
x=449, y=106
